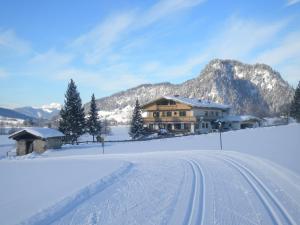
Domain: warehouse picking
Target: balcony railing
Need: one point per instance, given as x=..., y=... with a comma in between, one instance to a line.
x=169, y=119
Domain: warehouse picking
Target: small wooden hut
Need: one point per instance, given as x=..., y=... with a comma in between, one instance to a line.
x=36, y=139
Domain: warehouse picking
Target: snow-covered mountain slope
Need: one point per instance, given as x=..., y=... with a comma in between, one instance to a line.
x=13, y=114
x=44, y=112
x=176, y=183
x=249, y=89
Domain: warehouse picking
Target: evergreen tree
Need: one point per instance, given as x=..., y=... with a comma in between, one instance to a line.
x=93, y=122
x=105, y=129
x=72, y=122
x=295, y=105
x=137, y=122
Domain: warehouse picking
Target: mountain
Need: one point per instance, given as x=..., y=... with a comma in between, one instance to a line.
x=45, y=112
x=9, y=113
x=250, y=89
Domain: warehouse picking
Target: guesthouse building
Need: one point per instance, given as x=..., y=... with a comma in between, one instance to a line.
x=183, y=115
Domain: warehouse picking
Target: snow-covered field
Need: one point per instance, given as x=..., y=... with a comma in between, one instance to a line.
x=185, y=180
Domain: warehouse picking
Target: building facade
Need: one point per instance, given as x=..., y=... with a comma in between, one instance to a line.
x=183, y=115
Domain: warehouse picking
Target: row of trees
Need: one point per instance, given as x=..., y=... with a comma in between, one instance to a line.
x=295, y=105
x=73, y=123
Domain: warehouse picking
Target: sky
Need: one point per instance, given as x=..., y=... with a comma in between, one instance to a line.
x=110, y=46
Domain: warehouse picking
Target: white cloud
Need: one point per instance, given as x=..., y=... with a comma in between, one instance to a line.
x=239, y=38
x=236, y=39
x=162, y=72
x=99, y=41
x=292, y=2
x=103, y=39
x=120, y=79
x=150, y=67
x=186, y=68
x=10, y=41
x=51, y=59
x=3, y=73
x=166, y=7
x=288, y=49
x=290, y=72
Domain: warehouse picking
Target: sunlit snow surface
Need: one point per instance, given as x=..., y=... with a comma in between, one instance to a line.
x=171, y=181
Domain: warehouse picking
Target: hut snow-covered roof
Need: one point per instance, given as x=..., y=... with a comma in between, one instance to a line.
x=38, y=132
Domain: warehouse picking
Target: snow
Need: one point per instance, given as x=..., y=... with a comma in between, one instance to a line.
x=6, y=145
x=120, y=115
x=237, y=118
x=33, y=185
x=52, y=106
x=40, y=132
x=195, y=102
x=183, y=180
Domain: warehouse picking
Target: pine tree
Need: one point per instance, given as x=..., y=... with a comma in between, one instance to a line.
x=137, y=122
x=93, y=122
x=72, y=122
x=295, y=105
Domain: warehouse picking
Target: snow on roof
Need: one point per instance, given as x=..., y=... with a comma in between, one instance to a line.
x=236, y=118
x=39, y=132
x=194, y=102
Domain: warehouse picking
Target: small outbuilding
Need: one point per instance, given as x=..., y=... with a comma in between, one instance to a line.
x=234, y=122
x=36, y=139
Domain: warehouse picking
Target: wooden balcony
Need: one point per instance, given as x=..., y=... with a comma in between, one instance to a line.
x=185, y=119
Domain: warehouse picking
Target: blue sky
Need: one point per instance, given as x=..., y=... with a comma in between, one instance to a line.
x=109, y=46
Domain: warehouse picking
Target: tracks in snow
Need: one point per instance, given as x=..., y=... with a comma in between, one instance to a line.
x=62, y=208
x=196, y=210
x=276, y=210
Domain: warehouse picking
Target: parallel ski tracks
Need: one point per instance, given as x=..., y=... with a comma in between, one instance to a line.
x=276, y=210
x=196, y=209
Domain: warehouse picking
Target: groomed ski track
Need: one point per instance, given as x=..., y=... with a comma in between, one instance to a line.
x=184, y=188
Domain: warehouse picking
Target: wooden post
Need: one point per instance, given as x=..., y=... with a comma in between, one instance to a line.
x=102, y=142
x=220, y=131
x=220, y=139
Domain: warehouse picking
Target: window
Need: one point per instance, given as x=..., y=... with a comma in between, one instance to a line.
x=203, y=125
x=155, y=114
x=177, y=126
x=182, y=113
x=217, y=113
x=169, y=114
x=165, y=102
x=206, y=125
x=206, y=113
x=163, y=114
x=187, y=126
x=162, y=102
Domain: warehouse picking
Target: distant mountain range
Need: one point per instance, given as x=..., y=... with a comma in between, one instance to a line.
x=9, y=113
x=250, y=89
x=45, y=112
